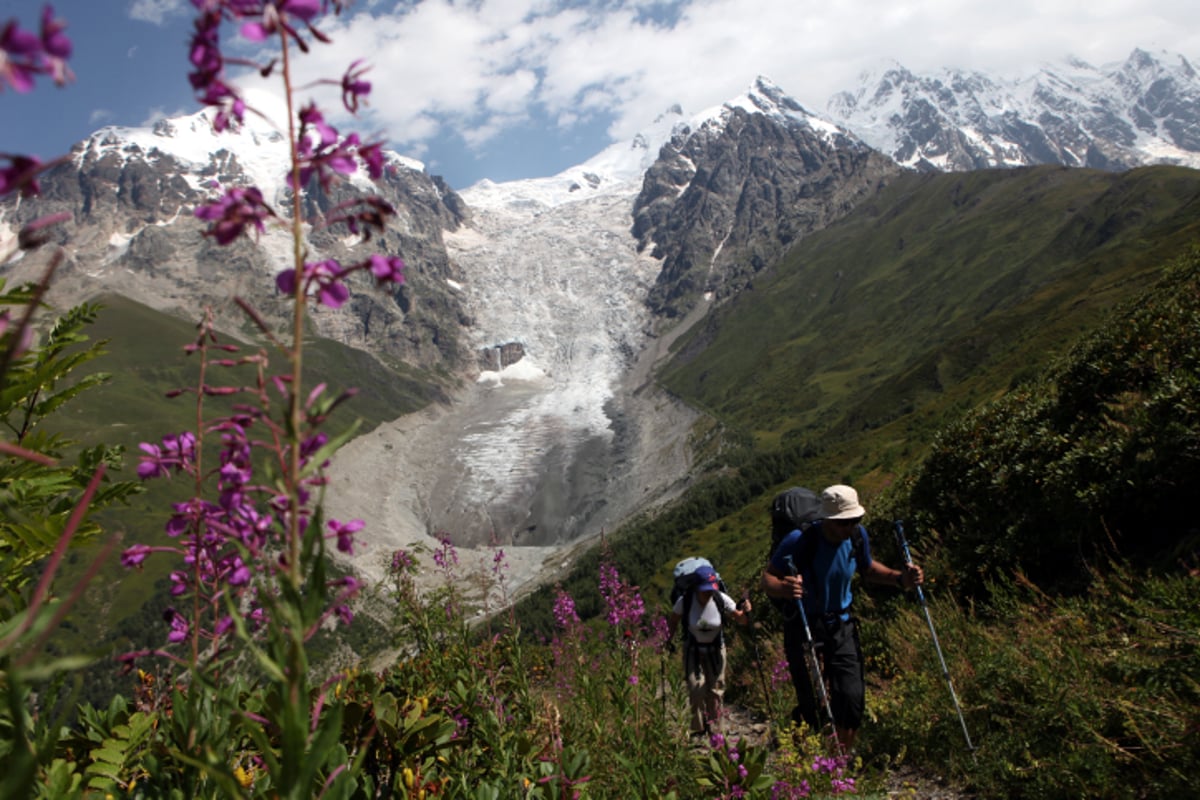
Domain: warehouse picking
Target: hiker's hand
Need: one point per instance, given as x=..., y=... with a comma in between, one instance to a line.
x=793, y=586
x=741, y=612
x=912, y=576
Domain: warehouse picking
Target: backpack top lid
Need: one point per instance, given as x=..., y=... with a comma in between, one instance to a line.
x=685, y=569
x=792, y=509
x=690, y=572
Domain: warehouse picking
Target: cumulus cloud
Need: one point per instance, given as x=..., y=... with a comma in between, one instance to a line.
x=156, y=12
x=477, y=68
x=474, y=72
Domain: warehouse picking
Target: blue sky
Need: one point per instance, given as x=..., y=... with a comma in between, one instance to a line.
x=507, y=89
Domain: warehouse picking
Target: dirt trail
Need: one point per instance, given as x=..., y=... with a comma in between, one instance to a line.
x=903, y=781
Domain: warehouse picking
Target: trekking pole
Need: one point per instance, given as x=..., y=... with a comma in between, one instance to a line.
x=814, y=666
x=758, y=657
x=898, y=525
x=662, y=662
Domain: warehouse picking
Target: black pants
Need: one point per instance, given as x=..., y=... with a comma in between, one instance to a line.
x=840, y=655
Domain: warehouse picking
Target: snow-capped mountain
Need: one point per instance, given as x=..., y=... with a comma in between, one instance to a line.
x=1144, y=110
x=131, y=194
x=732, y=190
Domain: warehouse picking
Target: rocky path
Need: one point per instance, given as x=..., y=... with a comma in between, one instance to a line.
x=902, y=781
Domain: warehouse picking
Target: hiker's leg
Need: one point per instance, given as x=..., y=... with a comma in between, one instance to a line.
x=806, y=701
x=693, y=673
x=715, y=683
x=844, y=671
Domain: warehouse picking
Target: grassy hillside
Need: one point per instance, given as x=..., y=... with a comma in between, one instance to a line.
x=145, y=359
x=942, y=291
x=846, y=359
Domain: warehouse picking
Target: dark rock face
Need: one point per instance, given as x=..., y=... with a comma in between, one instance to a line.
x=725, y=201
x=500, y=356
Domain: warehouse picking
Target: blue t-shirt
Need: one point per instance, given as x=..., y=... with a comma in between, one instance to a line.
x=827, y=578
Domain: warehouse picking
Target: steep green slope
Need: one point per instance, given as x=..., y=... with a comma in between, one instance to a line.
x=946, y=286
x=146, y=360
x=848, y=357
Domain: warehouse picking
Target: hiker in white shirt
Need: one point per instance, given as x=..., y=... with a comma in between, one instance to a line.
x=706, y=607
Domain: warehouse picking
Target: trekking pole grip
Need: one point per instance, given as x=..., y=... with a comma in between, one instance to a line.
x=902, y=542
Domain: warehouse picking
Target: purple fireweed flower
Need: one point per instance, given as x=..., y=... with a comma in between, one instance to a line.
x=354, y=89
x=207, y=79
x=239, y=575
x=446, y=557
x=325, y=157
x=345, y=533
x=782, y=790
x=176, y=453
x=625, y=605
x=54, y=42
x=387, y=269
x=401, y=561
x=310, y=117
x=135, y=555
x=178, y=623
x=660, y=633
x=24, y=55
x=20, y=174
x=327, y=275
x=273, y=17
x=311, y=446
x=372, y=156
x=780, y=673
x=232, y=213
x=842, y=785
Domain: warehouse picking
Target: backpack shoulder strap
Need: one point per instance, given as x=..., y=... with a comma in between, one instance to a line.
x=808, y=548
x=685, y=616
x=859, y=544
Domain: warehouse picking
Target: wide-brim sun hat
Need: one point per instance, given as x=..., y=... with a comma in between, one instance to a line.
x=841, y=502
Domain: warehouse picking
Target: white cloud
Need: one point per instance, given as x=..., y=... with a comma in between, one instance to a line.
x=156, y=12
x=474, y=70
x=460, y=63
x=157, y=113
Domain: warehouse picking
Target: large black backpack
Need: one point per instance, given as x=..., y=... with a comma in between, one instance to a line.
x=793, y=509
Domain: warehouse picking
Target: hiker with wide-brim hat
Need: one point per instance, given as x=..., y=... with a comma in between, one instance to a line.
x=815, y=567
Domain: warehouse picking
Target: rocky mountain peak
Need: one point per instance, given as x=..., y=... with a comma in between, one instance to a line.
x=131, y=194
x=734, y=188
